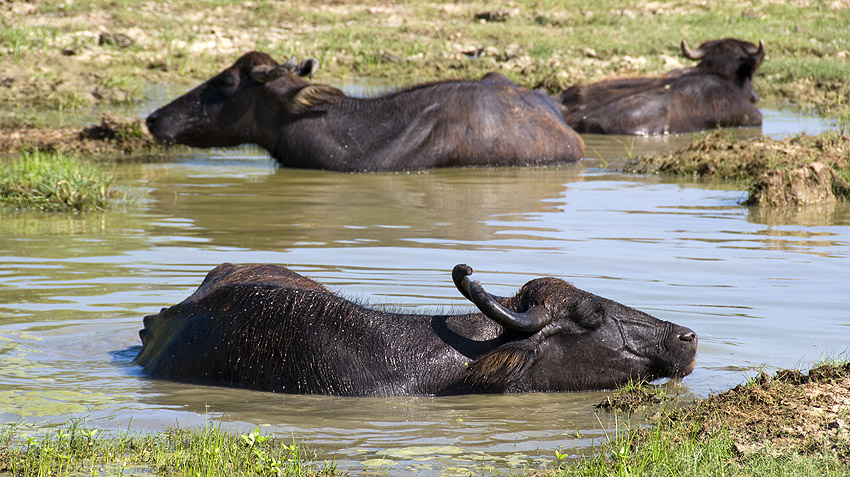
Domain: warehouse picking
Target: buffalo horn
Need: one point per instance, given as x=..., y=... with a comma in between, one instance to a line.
x=530, y=321
x=691, y=54
x=759, y=52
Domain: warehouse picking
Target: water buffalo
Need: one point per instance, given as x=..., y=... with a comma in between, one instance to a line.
x=491, y=122
x=266, y=327
x=718, y=92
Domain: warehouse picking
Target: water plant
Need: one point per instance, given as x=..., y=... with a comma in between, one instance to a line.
x=55, y=182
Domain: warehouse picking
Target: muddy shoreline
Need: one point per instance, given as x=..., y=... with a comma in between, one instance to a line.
x=786, y=413
x=795, y=171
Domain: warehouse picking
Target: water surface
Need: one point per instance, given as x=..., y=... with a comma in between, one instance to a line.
x=763, y=288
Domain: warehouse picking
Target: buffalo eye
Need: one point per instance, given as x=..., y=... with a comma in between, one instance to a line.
x=226, y=83
x=589, y=313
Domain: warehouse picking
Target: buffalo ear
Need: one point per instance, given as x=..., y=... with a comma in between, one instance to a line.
x=291, y=99
x=313, y=95
x=496, y=370
x=307, y=67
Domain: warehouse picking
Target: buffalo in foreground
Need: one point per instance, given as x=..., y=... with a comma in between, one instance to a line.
x=718, y=92
x=265, y=327
x=492, y=122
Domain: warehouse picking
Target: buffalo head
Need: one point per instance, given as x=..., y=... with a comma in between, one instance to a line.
x=569, y=339
x=732, y=59
x=222, y=111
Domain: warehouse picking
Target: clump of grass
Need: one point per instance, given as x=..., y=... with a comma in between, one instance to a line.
x=796, y=170
x=634, y=396
x=77, y=449
x=55, y=182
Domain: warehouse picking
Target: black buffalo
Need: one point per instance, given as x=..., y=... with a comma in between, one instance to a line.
x=718, y=92
x=491, y=122
x=266, y=327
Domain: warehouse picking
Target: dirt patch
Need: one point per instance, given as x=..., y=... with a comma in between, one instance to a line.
x=798, y=170
x=787, y=412
x=112, y=136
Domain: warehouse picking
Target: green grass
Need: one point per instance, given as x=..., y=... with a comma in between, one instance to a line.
x=775, y=425
x=760, y=428
x=679, y=448
x=55, y=182
x=806, y=64
x=210, y=451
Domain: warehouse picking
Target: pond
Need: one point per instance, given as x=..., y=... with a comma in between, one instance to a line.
x=764, y=288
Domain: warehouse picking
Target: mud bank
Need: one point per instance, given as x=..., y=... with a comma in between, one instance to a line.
x=789, y=412
x=798, y=170
x=111, y=137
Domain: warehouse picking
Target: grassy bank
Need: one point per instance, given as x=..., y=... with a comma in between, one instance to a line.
x=64, y=55
x=210, y=451
x=55, y=182
x=790, y=423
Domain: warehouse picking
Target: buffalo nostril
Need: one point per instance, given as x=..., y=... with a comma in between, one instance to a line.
x=688, y=336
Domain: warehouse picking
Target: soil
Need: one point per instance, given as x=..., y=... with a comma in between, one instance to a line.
x=787, y=412
x=797, y=170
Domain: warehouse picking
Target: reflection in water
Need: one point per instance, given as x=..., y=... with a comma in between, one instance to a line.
x=452, y=207
x=809, y=215
x=762, y=287
x=775, y=124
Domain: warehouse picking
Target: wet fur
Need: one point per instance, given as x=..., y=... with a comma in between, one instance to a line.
x=266, y=327
x=492, y=122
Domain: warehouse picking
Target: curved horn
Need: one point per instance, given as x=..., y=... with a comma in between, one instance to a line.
x=459, y=276
x=761, y=50
x=532, y=320
x=307, y=67
x=691, y=54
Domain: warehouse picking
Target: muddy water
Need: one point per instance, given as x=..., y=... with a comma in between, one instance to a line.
x=762, y=287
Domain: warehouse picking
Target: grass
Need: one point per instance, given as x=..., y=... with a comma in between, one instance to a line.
x=77, y=449
x=789, y=424
x=550, y=44
x=786, y=424
x=55, y=182
x=677, y=448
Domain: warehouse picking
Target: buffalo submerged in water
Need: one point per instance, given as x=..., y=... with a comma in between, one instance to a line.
x=492, y=122
x=266, y=327
x=718, y=92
